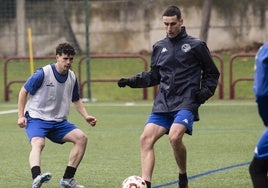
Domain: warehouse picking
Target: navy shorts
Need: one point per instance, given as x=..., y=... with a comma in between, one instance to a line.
x=53, y=130
x=184, y=117
x=262, y=102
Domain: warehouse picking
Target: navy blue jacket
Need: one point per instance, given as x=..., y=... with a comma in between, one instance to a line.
x=261, y=93
x=261, y=82
x=185, y=72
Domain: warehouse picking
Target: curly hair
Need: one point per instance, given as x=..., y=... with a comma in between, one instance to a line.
x=65, y=48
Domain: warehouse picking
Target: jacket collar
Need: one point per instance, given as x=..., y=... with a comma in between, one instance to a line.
x=181, y=35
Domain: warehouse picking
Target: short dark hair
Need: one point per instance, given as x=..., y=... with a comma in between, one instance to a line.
x=172, y=11
x=65, y=48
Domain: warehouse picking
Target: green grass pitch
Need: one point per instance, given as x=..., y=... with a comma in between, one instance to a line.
x=226, y=135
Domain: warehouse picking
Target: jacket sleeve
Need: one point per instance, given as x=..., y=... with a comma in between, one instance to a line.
x=145, y=79
x=150, y=78
x=260, y=86
x=210, y=74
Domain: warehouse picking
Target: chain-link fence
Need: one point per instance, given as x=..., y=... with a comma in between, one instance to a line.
x=50, y=21
x=123, y=26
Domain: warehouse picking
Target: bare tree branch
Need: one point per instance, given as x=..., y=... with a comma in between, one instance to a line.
x=206, y=12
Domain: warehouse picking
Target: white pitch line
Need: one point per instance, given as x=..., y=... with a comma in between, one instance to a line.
x=8, y=112
x=133, y=104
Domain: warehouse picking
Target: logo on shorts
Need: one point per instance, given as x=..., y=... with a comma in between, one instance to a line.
x=185, y=121
x=256, y=151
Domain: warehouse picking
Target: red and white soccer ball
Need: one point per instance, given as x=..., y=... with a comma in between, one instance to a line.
x=134, y=182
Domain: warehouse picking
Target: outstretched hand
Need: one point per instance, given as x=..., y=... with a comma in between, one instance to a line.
x=91, y=120
x=123, y=82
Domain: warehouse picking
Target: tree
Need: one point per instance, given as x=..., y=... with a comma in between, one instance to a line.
x=206, y=12
x=67, y=30
x=261, y=8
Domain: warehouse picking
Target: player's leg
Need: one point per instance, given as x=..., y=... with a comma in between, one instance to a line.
x=183, y=121
x=79, y=140
x=259, y=165
x=37, y=144
x=258, y=172
x=36, y=131
x=175, y=137
x=150, y=135
x=67, y=132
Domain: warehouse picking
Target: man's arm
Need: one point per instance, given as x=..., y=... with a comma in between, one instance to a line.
x=144, y=79
x=22, y=121
x=82, y=110
x=210, y=74
x=141, y=80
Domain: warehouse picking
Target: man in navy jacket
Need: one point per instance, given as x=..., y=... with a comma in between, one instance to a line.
x=183, y=68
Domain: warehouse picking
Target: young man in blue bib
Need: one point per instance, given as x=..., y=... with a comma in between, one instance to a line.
x=51, y=91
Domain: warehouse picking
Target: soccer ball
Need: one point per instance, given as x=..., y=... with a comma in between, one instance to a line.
x=134, y=182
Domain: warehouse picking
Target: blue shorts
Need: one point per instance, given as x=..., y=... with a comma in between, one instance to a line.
x=53, y=130
x=184, y=117
x=261, y=150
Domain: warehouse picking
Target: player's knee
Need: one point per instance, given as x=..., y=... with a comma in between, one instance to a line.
x=175, y=139
x=145, y=141
x=38, y=142
x=83, y=139
x=257, y=167
x=80, y=138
